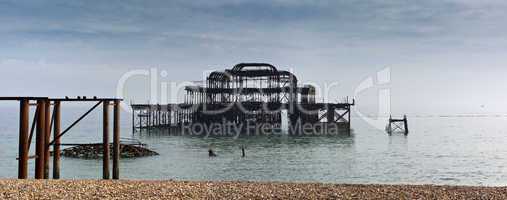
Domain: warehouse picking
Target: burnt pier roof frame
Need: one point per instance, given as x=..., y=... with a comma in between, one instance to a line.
x=229, y=85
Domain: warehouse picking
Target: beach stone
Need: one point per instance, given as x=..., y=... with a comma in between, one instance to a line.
x=129, y=189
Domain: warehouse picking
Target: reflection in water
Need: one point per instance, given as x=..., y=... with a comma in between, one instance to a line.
x=398, y=142
x=269, y=157
x=249, y=141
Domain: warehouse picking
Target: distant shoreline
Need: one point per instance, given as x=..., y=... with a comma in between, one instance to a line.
x=130, y=189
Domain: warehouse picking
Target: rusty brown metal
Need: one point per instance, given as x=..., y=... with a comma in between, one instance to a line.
x=24, y=112
x=247, y=93
x=83, y=100
x=32, y=130
x=76, y=122
x=21, y=98
x=40, y=140
x=116, y=140
x=47, y=138
x=42, y=126
x=56, y=145
x=105, y=140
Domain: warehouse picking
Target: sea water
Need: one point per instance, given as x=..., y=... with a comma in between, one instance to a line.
x=455, y=150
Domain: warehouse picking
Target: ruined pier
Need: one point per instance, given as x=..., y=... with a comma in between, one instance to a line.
x=248, y=94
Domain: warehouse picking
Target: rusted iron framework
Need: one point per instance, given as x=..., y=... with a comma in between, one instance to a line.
x=46, y=122
x=248, y=93
x=397, y=125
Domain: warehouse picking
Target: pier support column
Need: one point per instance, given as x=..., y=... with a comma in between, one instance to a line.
x=348, y=120
x=105, y=140
x=40, y=140
x=330, y=114
x=116, y=140
x=133, y=121
x=169, y=112
x=24, y=112
x=56, y=144
x=405, y=123
x=47, y=138
x=389, y=128
x=149, y=120
x=140, y=117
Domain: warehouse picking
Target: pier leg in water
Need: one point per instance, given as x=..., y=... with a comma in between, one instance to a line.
x=405, y=123
x=56, y=145
x=47, y=138
x=211, y=153
x=40, y=140
x=243, y=154
x=105, y=140
x=116, y=140
x=23, y=139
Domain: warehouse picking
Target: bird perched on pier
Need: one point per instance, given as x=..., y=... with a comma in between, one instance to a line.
x=94, y=97
x=78, y=97
x=66, y=97
x=84, y=97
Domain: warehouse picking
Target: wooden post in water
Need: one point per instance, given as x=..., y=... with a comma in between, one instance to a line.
x=116, y=140
x=39, y=139
x=47, y=138
x=105, y=140
x=157, y=114
x=389, y=127
x=140, y=117
x=330, y=114
x=398, y=123
x=168, y=119
x=405, y=122
x=348, y=122
x=133, y=121
x=148, y=120
x=56, y=144
x=24, y=112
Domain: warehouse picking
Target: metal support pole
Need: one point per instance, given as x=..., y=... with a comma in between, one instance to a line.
x=56, y=145
x=389, y=128
x=405, y=123
x=47, y=138
x=158, y=115
x=116, y=140
x=24, y=112
x=39, y=140
x=140, y=121
x=149, y=119
x=348, y=122
x=330, y=114
x=133, y=121
x=105, y=140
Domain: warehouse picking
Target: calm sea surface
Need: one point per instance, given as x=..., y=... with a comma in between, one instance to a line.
x=438, y=150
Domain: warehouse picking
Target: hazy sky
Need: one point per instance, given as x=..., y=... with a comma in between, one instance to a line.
x=445, y=56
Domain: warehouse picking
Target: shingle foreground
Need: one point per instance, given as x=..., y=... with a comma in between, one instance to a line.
x=97, y=189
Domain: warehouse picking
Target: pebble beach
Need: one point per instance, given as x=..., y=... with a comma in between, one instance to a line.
x=125, y=189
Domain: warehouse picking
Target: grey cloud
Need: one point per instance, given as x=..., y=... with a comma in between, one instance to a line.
x=320, y=38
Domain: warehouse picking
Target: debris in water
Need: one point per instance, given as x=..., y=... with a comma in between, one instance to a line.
x=94, y=151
